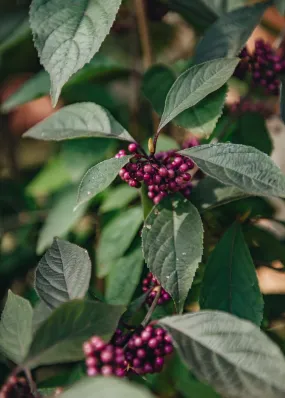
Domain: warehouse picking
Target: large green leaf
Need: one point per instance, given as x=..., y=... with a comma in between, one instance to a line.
x=63, y=273
x=230, y=283
x=251, y=130
x=116, y=238
x=106, y=388
x=228, y=35
x=84, y=119
x=230, y=354
x=41, y=313
x=124, y=278
x=210, y=193
x=68, y=34
x=195, y=84
x=201, y=118
x=118, y=198
x=61, y=217
x=173, y=244
x=241, y=166
x=99, y=177
x=60, y=337
x=16, y=328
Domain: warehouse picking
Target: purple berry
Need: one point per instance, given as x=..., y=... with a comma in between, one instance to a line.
x=107, y=370
x=148, y=169
x=133, y=148
x=163, y=172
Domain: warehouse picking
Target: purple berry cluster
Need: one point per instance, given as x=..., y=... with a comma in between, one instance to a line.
x=16, y=387
x=150, y=282
x=249, y=106
x=104, y=359
x=141, y=353
x=147, y=349
x=264, y=64
x=163, y=173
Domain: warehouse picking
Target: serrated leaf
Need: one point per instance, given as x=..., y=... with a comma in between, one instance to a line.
x=230, y=354
x=124, y=278
x=210, y=193
x=61, y=217
x=172, y=240
x=99, y=178
x=84, y=119
x=113, y=242
x=118, y=198
x=59, y=339
x=16, y=328
x=228, y=35
x=201, y=118
x=68, y=34
x=106, y=388
x=230, y=283
x=63, y=273
x=241, y=166
x=251, y=130
x=195, y=84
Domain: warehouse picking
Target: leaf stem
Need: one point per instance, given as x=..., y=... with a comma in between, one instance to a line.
x=151, y=308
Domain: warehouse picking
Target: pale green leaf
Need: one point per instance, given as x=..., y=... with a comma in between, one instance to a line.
x=59, y=339
x=172, y=241
x=113, y=242
x=84, y=119
x=16, y=328
x=241, y=166
x=119, y=197
x=67, y=34
x=124, y=278
x=63, y=273
x=99, y=178
x=195, y=84
x=61, y=217
x=230, y=354
x=103, y=387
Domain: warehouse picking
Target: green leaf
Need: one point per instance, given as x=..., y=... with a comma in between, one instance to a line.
x=61, y=217
x=53, y=176
x=106, y=388
x=16, y=328
x=230, y=283
x=68, y=34
x=59, y=339
x=210, y=193
x=241, y=166
x=230, y=354
x=124, y=278
x=118, y=198
x=80, y=120
x=172, y=241
x=33, y=88
x=116, y=238
x=228, y=35
x=87, y=152
x=63, y=273
x=200, y=119
x=195, y=84
x=251, y=130
x=14, y=29
x=99, y=178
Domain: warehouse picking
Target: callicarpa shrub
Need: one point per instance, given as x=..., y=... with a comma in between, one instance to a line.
x=136, y=244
